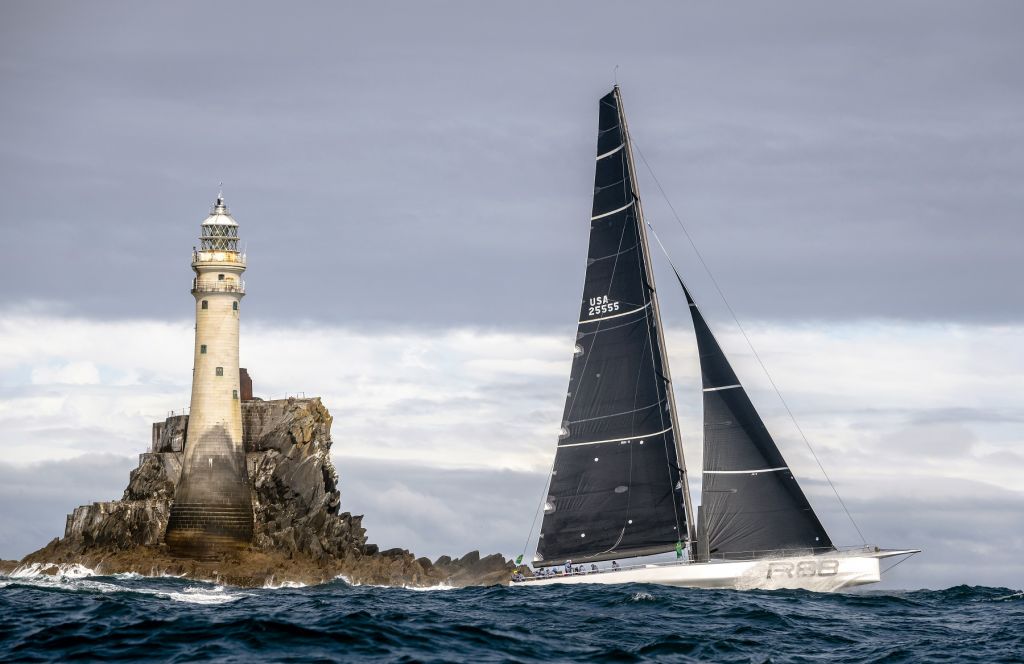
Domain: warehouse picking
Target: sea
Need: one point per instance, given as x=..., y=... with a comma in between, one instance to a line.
x=77, y=616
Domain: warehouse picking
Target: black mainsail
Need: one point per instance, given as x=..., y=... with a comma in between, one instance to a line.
x=618, y=485
x=751, y=505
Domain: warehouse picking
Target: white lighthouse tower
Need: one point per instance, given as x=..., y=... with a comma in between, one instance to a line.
x=212, y=509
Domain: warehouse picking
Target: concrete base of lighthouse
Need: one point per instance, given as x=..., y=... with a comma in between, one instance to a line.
x=204, y=531
x=212, y=510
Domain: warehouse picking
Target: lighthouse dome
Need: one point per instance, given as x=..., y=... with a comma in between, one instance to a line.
x=220, y=215
x=220, y=230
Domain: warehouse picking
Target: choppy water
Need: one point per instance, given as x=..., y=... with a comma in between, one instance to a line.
x=51, y=619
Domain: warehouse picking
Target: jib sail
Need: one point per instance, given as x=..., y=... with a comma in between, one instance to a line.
x=751, y=505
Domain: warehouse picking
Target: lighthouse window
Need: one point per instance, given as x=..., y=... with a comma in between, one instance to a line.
x=220, y=277
x=234, y=394
x=220, y=371
x=202, y=349
x=206, y=305
x=234, y=306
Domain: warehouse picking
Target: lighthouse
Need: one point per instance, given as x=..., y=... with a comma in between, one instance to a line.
x=212, y=509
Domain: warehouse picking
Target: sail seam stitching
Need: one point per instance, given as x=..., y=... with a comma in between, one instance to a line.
x=617, y=253
x=622, y=439
x=625, y=412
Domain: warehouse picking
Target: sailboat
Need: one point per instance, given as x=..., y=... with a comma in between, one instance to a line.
x=619, y=487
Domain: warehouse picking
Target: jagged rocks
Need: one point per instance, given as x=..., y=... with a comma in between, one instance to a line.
x=300, y=534
x=295, y=486
x=155, y=478
x=117, y=525
x=471, y=569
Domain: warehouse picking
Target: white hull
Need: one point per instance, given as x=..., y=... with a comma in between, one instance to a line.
x=822, y=573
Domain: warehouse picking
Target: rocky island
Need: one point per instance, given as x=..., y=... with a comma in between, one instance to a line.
x=300, y=534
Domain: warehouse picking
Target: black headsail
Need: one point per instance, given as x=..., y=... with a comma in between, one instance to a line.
x=751, y=505
x=618, y=487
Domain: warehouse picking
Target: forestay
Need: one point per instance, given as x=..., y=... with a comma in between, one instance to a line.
x=617, y=486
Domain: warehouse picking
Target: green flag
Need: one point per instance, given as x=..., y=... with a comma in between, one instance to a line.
x=519, y=559
x=679, y=549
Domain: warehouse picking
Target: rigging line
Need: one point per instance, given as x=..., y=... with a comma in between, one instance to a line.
x=597, y=188
x=901, y=560
x=604, y=258
x=750, y=344
x=543, y=499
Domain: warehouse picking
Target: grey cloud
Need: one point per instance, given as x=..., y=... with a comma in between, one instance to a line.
x=455, y=510
x=429, y=166
x=965, y=415
x=35, y=500
x=874, y=418
x=971, y=535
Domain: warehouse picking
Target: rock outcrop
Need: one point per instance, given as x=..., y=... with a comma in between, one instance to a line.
x=300, y=533
x=295, y=486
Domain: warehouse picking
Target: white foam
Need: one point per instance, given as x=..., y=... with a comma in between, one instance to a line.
x=63, y=570
x=1019, y=595
x=642, y=597
x=60, y=581
x=440, y=586
x=75, y=577
x=200, y=595
x=348, y=581
x=270, y=585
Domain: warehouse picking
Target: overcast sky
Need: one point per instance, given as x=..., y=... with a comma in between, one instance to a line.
x=413, y=185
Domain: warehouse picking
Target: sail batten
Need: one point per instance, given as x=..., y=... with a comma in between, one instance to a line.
x=621, y=441
x=618, y=486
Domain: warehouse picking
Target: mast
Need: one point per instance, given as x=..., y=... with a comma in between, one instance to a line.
x=618, y=487
x=687, y=501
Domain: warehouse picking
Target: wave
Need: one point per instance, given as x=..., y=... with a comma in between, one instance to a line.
x=272, y=585
x=62, y=570
x=57, y=617
x=81, y=579
x=349, y=582
x=203, y=595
